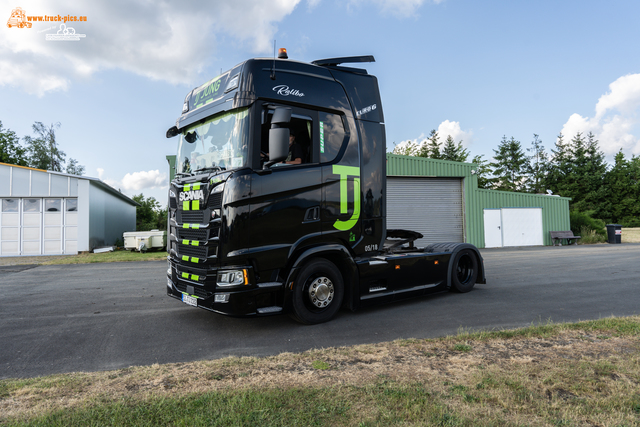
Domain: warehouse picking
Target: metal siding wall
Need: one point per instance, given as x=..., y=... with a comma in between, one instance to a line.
x=555, y=210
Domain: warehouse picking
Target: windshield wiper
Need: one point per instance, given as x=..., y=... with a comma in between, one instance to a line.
x=210, y=168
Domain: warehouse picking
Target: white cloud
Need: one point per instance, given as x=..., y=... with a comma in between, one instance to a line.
x=400, y=8
x=447, y=128
x=617, y=115
x=137, y=181
x=158, y=40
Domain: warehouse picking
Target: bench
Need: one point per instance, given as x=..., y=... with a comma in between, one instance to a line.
x=557, y=236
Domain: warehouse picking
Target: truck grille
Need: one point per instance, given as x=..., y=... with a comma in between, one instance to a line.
x=196, y=217
x=194, y=251
x=197, y=290
x=215, y=201
x=191, y=234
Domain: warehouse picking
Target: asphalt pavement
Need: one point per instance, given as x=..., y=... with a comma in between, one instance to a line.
x=66, y=318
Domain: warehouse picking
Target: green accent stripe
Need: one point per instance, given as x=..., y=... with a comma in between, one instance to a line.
x=194, y=259
x=185, y=205
x=195, y=205
x=185, y=258
x=193, y=243
x=185, y=242
x=185, y=225
x=195, y=225
x=196, y=186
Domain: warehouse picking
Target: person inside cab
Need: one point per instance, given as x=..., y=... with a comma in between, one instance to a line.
x=296, y=152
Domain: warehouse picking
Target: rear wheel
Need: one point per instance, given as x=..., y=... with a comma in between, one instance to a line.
x=465, y=271
x=317, y=292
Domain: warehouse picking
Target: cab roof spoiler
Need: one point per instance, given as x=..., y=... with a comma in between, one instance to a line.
x=333, y=62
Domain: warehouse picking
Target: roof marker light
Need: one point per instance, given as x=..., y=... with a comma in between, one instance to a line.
x=282, y=53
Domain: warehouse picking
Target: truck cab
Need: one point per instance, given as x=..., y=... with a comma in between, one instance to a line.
x=251, y=234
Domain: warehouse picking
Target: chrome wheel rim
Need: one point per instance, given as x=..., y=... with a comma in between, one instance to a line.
x=321, y=292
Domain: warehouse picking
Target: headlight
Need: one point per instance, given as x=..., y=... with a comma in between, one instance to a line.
x=232, y=278
x=169, y=268
x=218, y=188
x=172, y=194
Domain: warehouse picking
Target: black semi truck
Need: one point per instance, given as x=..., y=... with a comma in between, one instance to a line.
x=251, y=234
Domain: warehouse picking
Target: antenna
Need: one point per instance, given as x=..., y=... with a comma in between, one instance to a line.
x=273, y=70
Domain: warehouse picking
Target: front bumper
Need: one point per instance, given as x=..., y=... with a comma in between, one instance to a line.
x=249, y=300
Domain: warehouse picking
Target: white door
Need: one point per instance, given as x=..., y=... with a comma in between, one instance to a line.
x=522, y=226
x=10, y=227
x=31, y=226
x=53, y=226
x=71, y=226
x=492, y=228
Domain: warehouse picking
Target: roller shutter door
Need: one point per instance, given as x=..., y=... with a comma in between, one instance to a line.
x=431, y=206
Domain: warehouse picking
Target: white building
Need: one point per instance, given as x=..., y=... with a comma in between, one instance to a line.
x=52, y=213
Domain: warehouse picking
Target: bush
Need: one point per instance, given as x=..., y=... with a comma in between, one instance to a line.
x=583, y=220
x=630, y=222
x=590, y=236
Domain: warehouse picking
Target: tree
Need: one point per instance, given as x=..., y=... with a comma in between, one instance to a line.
x=407, y=149
x=431, y=149
x=43, y=149
x=149, y=215
x=509, y=166
x=10, y=149
x=559, y=167
x=74, y=168
x=454, y=152
x=482, y=172
x=621, y=192
x=537, y=167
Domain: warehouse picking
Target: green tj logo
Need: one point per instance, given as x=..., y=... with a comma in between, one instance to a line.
x=345, y=172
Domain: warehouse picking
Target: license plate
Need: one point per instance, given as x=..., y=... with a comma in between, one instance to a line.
x=188, y=299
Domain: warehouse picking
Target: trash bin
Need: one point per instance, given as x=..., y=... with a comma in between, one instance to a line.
x=614, y=233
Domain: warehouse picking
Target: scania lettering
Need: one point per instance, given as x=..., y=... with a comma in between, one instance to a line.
x=253, y=235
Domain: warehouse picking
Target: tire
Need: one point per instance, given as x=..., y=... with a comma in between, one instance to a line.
x=464, y=272
x=317, y=292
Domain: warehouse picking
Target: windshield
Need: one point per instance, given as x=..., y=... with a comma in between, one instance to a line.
x=220, y=143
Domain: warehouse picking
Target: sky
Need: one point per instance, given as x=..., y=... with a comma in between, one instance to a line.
x=474, y=70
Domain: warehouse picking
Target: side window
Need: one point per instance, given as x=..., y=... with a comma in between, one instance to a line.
x=300, y=145
x=331, y=136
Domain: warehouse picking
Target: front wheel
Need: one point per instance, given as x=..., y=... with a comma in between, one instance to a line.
x=465, y=271
x=317, y=293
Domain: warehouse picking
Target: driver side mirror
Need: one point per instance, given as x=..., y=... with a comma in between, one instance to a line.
x=279, y=135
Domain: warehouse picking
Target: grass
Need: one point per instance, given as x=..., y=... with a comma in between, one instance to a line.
x=116, y=256
x=548, y=374
x=631, y=235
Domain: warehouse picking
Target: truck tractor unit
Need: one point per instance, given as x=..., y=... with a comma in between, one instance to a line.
x=252, y=233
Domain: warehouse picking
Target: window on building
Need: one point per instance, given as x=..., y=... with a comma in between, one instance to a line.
x=53, y=205
x=10, y=205
x=31, y=205
x=72, y=205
